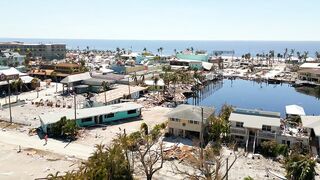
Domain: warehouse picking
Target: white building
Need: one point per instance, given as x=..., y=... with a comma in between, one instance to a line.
x=10, y=58
x=252, y=127
x=312, y=124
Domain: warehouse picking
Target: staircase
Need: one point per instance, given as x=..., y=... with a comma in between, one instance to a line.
x=251, y=143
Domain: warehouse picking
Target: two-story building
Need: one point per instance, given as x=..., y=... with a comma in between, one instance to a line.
x=251, y=127
x=61, y=70
x=312, y=125
x=188, y=120
x=309, y=76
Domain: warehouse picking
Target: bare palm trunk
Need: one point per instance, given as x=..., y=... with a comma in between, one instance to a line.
x=105, y=98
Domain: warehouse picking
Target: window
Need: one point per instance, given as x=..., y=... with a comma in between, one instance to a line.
x=239, y=137
x=193, y=122
x=239, y=124
x=266, y=128
x=132, y=111
x=175, y=119
x=111, y=115
x=86, y=120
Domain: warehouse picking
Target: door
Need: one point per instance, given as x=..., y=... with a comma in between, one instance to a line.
x=96, y=119
x=100, y=119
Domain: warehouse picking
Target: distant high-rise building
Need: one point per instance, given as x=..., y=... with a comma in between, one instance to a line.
x=45, y=51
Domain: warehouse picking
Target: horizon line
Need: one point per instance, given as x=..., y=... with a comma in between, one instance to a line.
x=110, y=39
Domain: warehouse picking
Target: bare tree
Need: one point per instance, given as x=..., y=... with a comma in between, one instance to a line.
x=209, y=167
x=150, y=153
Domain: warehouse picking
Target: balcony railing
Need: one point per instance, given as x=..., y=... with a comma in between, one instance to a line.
x=236, y=130
x=266, y=134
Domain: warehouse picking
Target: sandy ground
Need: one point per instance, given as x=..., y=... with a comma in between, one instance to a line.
x=56, y=155
x=37, y=160
x=244, y=165
x=72, y=150
x=99, y=135
x=31, y=163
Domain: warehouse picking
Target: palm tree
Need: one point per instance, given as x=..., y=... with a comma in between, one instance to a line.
x=175, y=51
x=34, y=83
x=247, y=56
x=142, y=77
x=291, y=54
x=166, y=76
x=134, y=78
x=174, y=79
x=105, y=87
x=285, y=54
x=144, y=128
x=271, y=55
x=19, y=84
x=191, y=48
x=160, y=50
x=305, y=55
x=14, y=86
x=155, y=81
x=279, y=56
x=118, y=52
x=299, y=55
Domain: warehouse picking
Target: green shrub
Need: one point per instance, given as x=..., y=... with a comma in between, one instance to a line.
x=144, y=128
x=300, y=167
x=273, y=149
x=248, y=178
x=64, y=128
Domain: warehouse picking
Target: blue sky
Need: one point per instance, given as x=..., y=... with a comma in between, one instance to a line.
x=162, y=19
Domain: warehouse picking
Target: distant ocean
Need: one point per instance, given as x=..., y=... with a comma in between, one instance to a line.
x=239, y=47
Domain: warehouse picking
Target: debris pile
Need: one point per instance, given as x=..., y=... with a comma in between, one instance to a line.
x=181, y=153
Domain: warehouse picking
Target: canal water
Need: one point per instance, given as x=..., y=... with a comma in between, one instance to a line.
x=254, y=95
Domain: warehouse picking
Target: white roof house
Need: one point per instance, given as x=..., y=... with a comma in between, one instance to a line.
x=76, y=77
x=310, y=59
x=190, y=112
x=13, y=71
x=295, y=110
x=310, y=65
x=312, y=122
x=255, y=118
x=50, y=118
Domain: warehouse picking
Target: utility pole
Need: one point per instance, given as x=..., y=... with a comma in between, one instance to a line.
x=9, y=93
x=75, y=106
x=227, y=168
x=201, y=137
x=129, y=87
